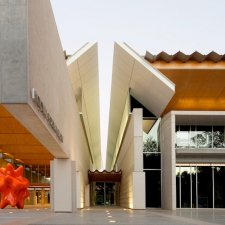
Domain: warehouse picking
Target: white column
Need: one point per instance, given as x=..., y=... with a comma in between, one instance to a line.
x=63, y=184
x=87, y=195
x=138, y=175
x=167, y=143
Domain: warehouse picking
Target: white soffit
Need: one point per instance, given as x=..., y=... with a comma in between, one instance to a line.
x=83, y=70
x=147, y=85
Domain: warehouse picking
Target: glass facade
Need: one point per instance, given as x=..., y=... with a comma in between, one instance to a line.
x=38, y=176
x=191, y=136
x=200, y=186
x=152, y=162
x=104, y=193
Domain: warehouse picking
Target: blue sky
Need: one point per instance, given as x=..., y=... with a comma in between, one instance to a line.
x=160, y=25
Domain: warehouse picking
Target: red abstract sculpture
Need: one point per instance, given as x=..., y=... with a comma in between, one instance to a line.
x=13, y=187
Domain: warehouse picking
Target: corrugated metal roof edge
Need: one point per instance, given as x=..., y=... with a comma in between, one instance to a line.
x=196, y=56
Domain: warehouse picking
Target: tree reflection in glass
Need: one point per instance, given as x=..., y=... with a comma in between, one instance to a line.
x=218, y=137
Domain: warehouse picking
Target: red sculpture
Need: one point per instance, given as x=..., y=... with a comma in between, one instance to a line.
x=13, y=187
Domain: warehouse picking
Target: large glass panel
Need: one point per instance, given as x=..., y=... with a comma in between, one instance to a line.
x=205, y=199
x=194, y=187
x=152, y=160
x=99, y=193
x=178, y=186
x=104, y=193
x=151, y=138
x=204, y=136
x=219, y=187
x=110, y=189
x=183, y=137
x=153, y=188
x=218, y=137
x=193, y=137
x=185, y=187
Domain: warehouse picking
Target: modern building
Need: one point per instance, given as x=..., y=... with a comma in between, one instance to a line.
x=166, y=136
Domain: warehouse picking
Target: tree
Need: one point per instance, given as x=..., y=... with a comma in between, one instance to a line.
x=150, y=145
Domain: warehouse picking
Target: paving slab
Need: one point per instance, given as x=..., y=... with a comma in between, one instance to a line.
x=103, y=216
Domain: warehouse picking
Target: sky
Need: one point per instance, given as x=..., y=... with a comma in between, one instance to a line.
x=159, y=25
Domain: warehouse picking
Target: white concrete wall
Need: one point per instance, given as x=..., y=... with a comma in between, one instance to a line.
x=168, y=154
x=31, y=56
x=63, y=178
x=130, y=161
x=83, y=164
x=48, y=74
x=13, y=51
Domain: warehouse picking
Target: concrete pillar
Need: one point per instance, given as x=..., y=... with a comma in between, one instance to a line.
x=87, y=195
x=63, y=183
x=138, y=176
x=167, y=143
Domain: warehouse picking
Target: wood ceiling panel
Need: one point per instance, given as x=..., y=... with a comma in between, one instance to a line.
x=10, y=125
x=36, y=149
x=201, y=89
x=18, y=139
x=32, y=156
x=37, y=161
x=19, y=142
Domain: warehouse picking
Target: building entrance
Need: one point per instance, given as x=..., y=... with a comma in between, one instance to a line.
x=104, y=193
x=39, y=197
x=104, y=188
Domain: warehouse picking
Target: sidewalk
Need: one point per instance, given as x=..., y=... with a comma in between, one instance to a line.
x=112, y=216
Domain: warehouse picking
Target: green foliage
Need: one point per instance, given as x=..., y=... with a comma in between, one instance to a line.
x=150, y=145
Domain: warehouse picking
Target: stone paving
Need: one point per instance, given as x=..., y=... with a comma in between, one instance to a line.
x=103, y=216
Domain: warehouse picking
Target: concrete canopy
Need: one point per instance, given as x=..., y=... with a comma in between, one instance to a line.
x=83, y=71
x=133, y=74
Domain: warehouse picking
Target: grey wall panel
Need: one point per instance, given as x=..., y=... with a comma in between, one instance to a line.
x=13, y=51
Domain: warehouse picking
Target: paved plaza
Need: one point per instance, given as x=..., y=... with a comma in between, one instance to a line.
x=104, y=216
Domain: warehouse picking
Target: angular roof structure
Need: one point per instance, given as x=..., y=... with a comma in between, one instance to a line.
x=133, y=75
x=83, y=70
x=195, y=56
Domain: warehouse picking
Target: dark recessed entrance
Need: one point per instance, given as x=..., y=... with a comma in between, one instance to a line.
x=104, y=188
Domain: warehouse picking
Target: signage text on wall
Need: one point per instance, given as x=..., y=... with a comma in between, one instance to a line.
x=42, y=109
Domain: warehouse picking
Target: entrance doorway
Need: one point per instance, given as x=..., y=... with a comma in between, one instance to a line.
x=39, y=197
x=104, y=193
x=104, y=187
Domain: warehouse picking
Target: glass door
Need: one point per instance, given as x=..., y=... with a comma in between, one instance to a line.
x=104, y=193
x=99, y=193
x=110, y=193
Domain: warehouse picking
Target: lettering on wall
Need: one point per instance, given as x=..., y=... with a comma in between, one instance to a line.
x=42, y=109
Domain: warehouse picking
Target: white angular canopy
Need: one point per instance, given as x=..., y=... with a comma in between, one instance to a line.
x=83, y=70
x=133, y=74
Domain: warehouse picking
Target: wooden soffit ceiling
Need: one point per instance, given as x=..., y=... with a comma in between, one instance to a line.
x=104, y=176
x=197, y=89
x=17, y=141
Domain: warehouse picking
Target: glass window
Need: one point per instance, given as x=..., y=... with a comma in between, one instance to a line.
x=205, y=191
x=152, y=161
x=178, y=186
x=193, y=137
x=153, y=188
x=182, y=139
x=151, y=139
x=219, y=187
x=204, y=136
x=218, y=137
x=193, y=186
x=185, y=187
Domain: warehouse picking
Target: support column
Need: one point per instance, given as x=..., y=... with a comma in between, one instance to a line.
x=63, y=183
x=167, y=144
x=87, y=195
x=138, y=176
